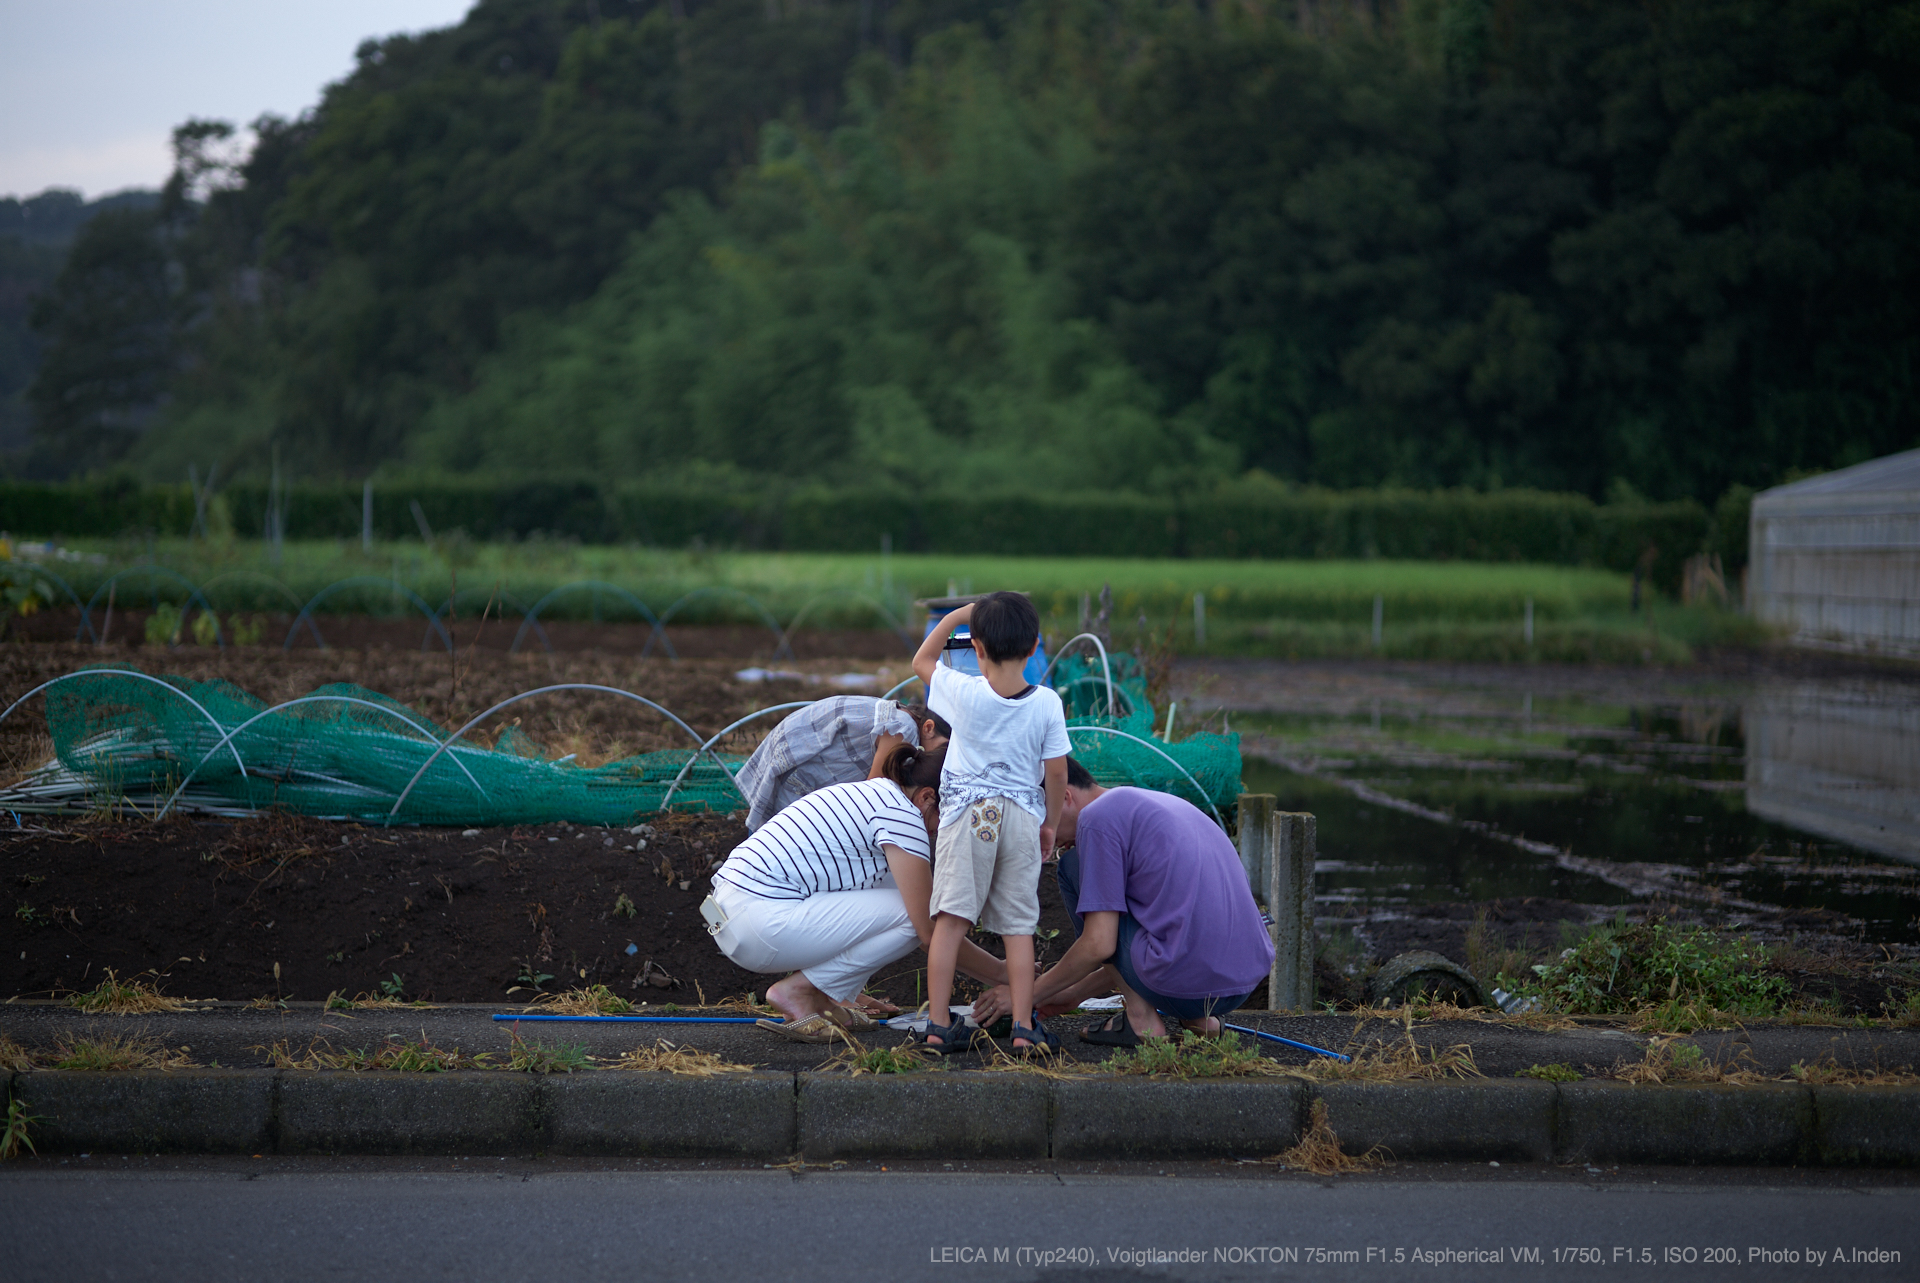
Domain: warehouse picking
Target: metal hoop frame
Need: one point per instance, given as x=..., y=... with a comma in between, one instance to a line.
x=532, y=617
x=708, y=746
x=127, y=672
x=1108, y=730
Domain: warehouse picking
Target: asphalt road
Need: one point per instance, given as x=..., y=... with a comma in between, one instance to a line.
x=477, y=1219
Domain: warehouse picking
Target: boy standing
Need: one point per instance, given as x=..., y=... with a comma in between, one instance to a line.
x=1000, y=798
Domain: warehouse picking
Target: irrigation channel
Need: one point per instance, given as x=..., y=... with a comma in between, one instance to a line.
x=1785, y=799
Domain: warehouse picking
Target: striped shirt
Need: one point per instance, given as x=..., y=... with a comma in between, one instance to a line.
x=829, y=840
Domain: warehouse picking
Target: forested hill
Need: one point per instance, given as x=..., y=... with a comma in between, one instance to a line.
x=1609, y=246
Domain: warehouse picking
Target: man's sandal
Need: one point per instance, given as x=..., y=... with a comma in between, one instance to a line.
x=1114, y=1032
x=954, y=1038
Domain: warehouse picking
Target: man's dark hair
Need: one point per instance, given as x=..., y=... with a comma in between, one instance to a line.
x=1006, y=624
x=1077, y=775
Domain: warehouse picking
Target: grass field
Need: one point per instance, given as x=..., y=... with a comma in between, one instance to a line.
x=1440, y=610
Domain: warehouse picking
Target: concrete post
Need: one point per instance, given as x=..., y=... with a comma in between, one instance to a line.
x=1290, y=900
x=1256, y=838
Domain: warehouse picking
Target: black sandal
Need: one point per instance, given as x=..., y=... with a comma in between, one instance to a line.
x=954, y=1038
x=1040, y=1040
x=1106, y=1034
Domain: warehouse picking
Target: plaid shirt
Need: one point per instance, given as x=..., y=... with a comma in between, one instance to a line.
x=830, y=741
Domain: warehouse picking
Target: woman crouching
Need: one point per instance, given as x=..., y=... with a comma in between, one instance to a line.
x=834, y=887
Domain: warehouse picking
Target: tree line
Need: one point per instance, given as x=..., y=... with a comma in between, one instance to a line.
x=1611, y=247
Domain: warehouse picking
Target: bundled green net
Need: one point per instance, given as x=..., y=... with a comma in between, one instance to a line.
x=345, y=752
x=1204, y=769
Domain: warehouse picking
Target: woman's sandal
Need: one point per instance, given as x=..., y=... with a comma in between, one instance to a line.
x=1108, y=1034
x=954, y=1038
x=1040, y=1040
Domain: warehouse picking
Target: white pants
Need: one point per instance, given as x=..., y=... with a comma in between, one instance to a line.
x=837, y=939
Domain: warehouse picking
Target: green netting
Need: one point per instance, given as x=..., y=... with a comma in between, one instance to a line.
x=1213, y=761
x=348, y=753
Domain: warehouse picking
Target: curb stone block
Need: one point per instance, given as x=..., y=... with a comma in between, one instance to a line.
x=1765, y=1125
x=933, y=1114
x=1867, y=1126
x=196, y=1111
x=623, y=1113
x=1135, y=1118
x=1460, y=1121
x=383, y=1112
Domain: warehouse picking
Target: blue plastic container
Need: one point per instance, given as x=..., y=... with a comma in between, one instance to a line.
x=964, y=660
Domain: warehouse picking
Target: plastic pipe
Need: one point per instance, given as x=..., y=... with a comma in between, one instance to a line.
x=1243, y=1029
x=648, y=1020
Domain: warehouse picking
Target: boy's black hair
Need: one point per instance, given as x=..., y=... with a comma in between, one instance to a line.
x=1005, y=624
x=1077, y=775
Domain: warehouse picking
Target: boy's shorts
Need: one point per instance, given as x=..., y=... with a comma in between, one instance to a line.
x=986, y=868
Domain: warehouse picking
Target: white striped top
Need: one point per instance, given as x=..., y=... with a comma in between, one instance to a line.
x=829, y=840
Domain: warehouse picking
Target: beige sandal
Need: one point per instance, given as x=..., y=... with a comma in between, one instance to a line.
x=855, y=1019
x=815, y=1028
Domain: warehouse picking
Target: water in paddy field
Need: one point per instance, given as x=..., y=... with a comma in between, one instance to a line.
x=1450, y=784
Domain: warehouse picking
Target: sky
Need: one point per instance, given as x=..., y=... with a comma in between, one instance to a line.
x=90, y=90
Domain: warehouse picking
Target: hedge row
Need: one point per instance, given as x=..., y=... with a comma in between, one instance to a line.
x=1240, y=522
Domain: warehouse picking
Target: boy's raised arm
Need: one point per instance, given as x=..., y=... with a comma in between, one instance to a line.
x=927, y=658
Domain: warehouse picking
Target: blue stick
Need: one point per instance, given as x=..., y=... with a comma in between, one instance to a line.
x=1242, y=1029
x=642, y=1020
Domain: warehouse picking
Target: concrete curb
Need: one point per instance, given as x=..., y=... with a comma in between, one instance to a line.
x=958, y=1115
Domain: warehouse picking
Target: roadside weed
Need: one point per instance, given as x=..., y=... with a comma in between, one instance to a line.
x=18, y=1120
x=1394, y=1062
x=1319, y=1149
x=1619, y=968
x=593, y=1000
x=1831, y=1073
x=113, y=1053
x=1668, y=1060
x=1191, y=1056
x=13, y=1056
x=538, y=1058
x=856, y=1058
x=123, y=997
x=1555, y=1073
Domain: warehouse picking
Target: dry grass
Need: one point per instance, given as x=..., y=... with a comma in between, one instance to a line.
x=858, y=1058
x=1831, y=1073
x=743, y=1004
x=1319, y=1149
x=116, y=1053
x=113, y=996
x=397, y=1054
x=1681, y=1016
x=594, y=1000
x=1421, y=1012
x=1393, y=1062
x=665, y=1057
x=13, y=1056
x=25, y=756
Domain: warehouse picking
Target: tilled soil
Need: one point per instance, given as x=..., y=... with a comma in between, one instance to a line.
x=287, y=907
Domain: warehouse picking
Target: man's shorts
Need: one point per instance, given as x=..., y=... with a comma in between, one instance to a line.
x=986, y=868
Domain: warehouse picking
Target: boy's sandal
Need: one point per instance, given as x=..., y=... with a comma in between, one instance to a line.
x=1115, y=1032
x=1040, y=1040
x=954, y=1038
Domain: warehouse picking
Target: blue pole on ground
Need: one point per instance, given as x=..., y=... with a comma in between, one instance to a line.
x=1258, y=1033
x=641, y=1020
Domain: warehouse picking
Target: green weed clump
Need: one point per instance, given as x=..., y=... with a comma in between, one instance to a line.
x=15, y=1135
x=858, y=1059
x=1555, y=1073
x=123, y=997
x=539, y=1058
x=108, y=1054
x=1690, y=972
x=1192, y=1056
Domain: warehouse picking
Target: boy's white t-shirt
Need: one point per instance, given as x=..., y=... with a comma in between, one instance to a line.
x=998, y=743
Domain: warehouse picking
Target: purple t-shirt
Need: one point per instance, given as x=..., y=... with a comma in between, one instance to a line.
x=1162, y=860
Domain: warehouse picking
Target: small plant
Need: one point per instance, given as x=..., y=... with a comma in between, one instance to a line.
x=1831, y=1073
x=393, y=986
x=18, y=1120
x=1550, y=1073
x=539, y=1058
x=206, y=629
x=1668, y=1060
x=859, y=1059
x=594, y=1000
x=341, y=956
x=163, y=625
x=108, y=1054
x=1906, y=1015
x=123, y=997
x=248, y=631
x=28, y=914
x=623, y=906
x=530, y=978
x=337, y=1001
x=22, y=591
x=1191, y=1056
